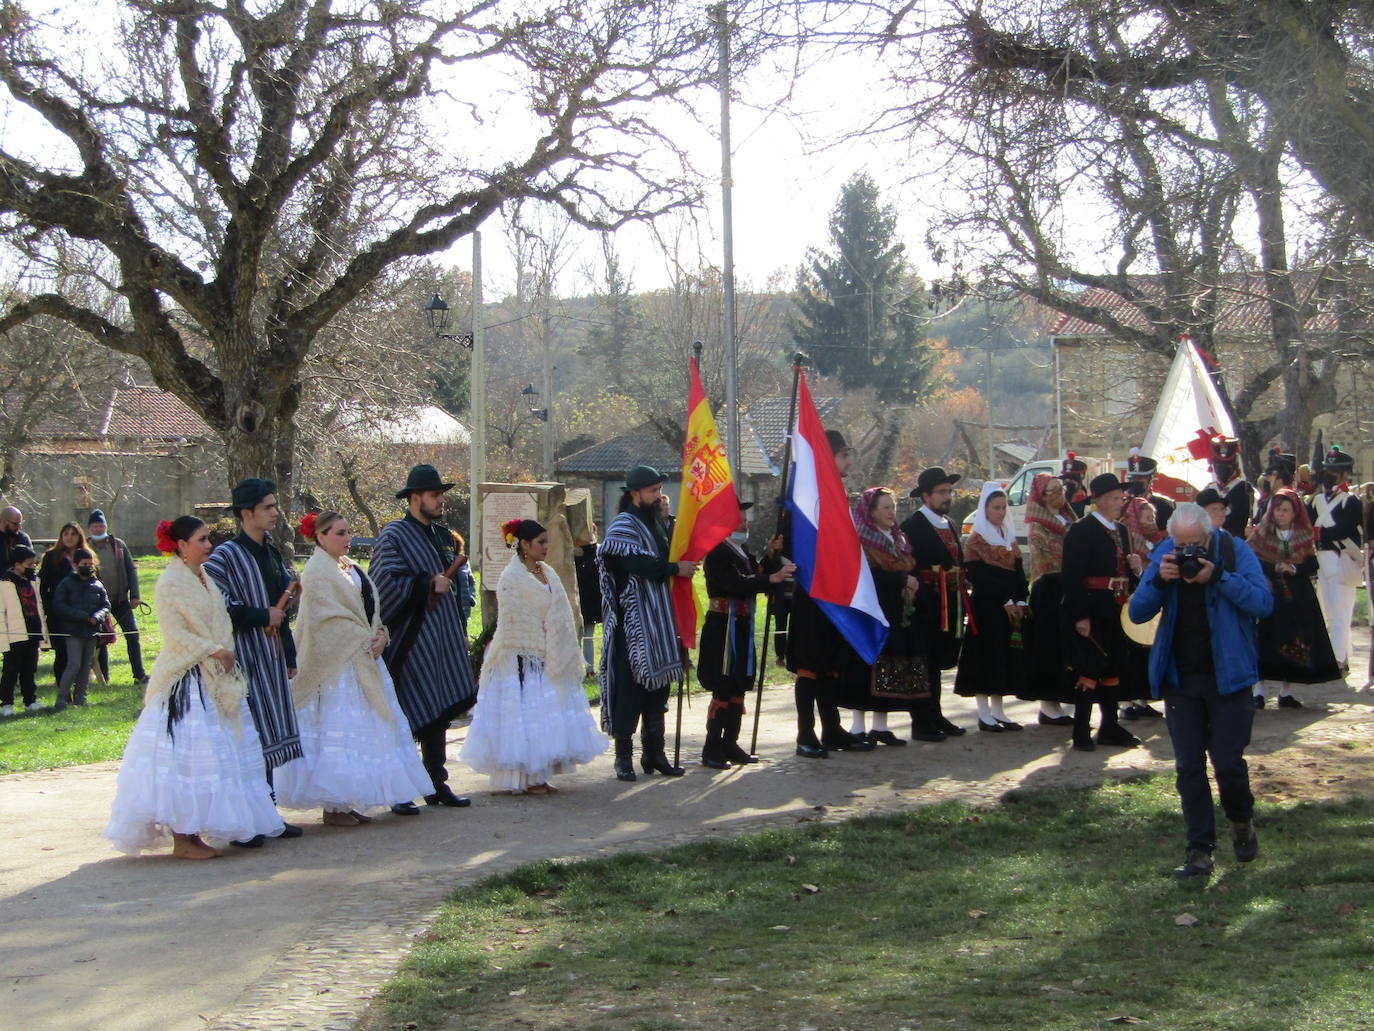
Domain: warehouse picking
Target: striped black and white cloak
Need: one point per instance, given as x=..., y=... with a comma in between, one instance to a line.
x=428, y=665
x=236, y=574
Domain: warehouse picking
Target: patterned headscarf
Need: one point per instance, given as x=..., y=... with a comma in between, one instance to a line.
x=879, y=544
x=1266, y=543
x=1045, y=530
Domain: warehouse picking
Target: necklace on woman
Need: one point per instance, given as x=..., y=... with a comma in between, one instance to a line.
x=535, y=570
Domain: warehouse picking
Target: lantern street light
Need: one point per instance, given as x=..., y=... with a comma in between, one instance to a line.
x=437, y=311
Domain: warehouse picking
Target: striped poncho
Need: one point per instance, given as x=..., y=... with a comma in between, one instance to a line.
x=428, y=655
x=236, y=574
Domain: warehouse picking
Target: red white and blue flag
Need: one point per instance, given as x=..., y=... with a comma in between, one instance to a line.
x=825, y=545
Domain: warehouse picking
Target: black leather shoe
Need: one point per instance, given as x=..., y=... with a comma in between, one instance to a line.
x=1084, y=744
x=291, y=831
x=712, y=762
x=949, y=729
x=847, y=743
x=1054, y=721
x=1118, y=736
x=1287, y=701
x=928, y=734
x=1244, y=841
x=1197, y=863
x=886, y=737
x=812, y=751
x=1007, y=724
x=1259, y=701
x=254, y=842
x=445, y=796
x=989, y=728
x=406, y=809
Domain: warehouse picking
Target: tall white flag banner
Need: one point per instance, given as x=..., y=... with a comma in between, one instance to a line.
x=1189, y=403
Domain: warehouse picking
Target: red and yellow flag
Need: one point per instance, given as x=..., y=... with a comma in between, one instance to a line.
x=708, y=510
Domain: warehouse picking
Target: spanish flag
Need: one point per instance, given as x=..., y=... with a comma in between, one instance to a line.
x=708, y=510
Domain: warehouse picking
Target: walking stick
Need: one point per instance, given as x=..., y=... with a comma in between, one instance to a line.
x=798, y=360
x=677, y=734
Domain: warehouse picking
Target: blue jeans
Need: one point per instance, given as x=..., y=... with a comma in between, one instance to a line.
x=1203, y=722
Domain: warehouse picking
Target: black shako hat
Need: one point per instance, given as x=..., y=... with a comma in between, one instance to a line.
x=1209, y=496
x=96, y=516
x=1104, y=483
x=1073, y=467
x=1281, y=462
x=250, y=492
x=1139, y=466
x=423, y=477
x=1338, y=461
x=1225, y=449
x=932, y=478
x=642, y=476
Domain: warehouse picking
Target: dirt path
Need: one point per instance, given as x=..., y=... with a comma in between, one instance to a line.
x=300, y=933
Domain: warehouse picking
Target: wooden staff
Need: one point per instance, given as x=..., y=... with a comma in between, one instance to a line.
x=449, y=574
x=798, y=360
x=282, y=602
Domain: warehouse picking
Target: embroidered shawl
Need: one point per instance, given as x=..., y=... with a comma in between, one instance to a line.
x=1045, y=529
x=976, y=549
x=644, y=612
x=236, y=574
x=536, y=622
x=333, y=633
x=195, y=624
x=1265, y=541
x=433, y=675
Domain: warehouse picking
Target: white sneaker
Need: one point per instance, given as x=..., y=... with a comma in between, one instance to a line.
x=33, y=706
x=6, y=710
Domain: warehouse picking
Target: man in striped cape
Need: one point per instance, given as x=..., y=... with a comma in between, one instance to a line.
x=413, y=568
x=252, y=577
x=641, y=656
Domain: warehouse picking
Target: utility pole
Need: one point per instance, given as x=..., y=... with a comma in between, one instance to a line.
x=477, y=391
x=546, y=465
x=732, y=444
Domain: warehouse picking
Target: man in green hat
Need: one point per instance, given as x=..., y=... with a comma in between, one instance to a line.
x=413, y=565
x=641, y=656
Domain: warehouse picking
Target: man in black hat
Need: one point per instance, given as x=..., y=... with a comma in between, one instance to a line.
x=251, y=575
x=725, y=657
x=1072, y=472
x=941, y=601
x=819, y=657
x=1237, y=493
x=1337, y=516
x=641, y=656
x=414, y=563
x=1099, y=574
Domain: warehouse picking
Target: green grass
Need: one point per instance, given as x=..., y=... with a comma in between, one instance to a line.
x=1053, y=910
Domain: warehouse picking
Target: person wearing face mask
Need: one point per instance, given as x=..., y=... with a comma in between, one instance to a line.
x=80, y=605
x=357, y=747
x=1340, y=554
x=120, y=577
x=726, y=659
x=531, y=721
x=641, y=656
x=54, y=567
x=21, y=630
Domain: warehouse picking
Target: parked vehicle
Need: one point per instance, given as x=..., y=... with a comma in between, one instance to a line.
x=1018, y=489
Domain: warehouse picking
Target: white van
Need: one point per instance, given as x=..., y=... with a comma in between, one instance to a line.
x=1018, y=491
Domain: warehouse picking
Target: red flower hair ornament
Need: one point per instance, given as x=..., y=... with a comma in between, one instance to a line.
x=307, y=526
x=165, y=544
x=509, y=529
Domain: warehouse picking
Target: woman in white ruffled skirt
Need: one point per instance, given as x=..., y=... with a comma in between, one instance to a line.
x=532, y=721
x=358, y=749
x=193, y=767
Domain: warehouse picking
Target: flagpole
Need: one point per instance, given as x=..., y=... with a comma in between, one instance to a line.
x=798, y=360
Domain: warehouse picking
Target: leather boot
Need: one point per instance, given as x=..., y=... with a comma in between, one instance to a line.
x=625, y=758
x=652, y=757
x=732, y=721
x=711, y=755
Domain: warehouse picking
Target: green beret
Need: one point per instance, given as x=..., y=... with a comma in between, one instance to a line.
x=642, y=476
x=250, y=492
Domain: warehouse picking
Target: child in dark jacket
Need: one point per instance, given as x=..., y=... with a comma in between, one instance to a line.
x=80, y=605
x=22, y=631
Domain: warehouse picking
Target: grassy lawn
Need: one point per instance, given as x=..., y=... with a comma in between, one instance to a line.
x=1053, y=910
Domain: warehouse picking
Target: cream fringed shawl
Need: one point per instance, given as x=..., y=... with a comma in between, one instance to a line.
x=194, y=618
x=332, y=631
x=535, y=620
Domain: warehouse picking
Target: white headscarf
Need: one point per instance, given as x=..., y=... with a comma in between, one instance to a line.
x=1003, y=536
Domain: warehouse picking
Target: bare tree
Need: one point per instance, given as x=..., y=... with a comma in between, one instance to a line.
x=249, y=172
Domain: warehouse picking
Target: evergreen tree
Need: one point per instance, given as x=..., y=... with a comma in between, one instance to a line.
x=860, y=309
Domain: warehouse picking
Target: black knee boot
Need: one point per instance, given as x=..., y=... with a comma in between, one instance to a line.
x=1082, y=726
x=733, y=719
x=712, y=756
x=652, y=757
x=625, y=757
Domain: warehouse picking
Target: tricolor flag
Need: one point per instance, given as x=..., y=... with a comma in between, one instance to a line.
x=708, y=510
x=825, y=545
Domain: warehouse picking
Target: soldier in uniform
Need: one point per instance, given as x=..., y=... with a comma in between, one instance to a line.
x=1338, y=516
x=1282, y=470
x=1072, y=473
x=1237, y=493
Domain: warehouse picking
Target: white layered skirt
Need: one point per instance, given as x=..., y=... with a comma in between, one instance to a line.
x=201, y=779
x=523, y=733
x=353, y=758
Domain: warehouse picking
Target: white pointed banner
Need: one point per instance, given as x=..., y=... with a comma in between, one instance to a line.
x=1189, y=403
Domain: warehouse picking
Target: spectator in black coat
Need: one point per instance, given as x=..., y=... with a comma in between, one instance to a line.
x=12, y=534
x=80, y=605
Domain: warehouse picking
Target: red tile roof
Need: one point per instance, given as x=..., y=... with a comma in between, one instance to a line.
x=144, y=413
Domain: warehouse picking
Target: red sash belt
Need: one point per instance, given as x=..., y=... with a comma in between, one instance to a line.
x=1120, y=586
x=945, y=579
x=740, y=605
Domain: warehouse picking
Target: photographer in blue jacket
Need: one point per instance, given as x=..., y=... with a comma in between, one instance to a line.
x=1203, y=663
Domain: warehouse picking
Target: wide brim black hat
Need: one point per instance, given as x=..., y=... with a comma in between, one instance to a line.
x=932, y=478
x=423, y=477
x=1104, y=483
x=1209, y=496
x=250, y=492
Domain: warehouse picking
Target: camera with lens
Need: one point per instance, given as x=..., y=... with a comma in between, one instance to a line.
x=1190, y=558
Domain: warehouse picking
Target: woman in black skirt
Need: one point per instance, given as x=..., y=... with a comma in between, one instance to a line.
x=1048, y=517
